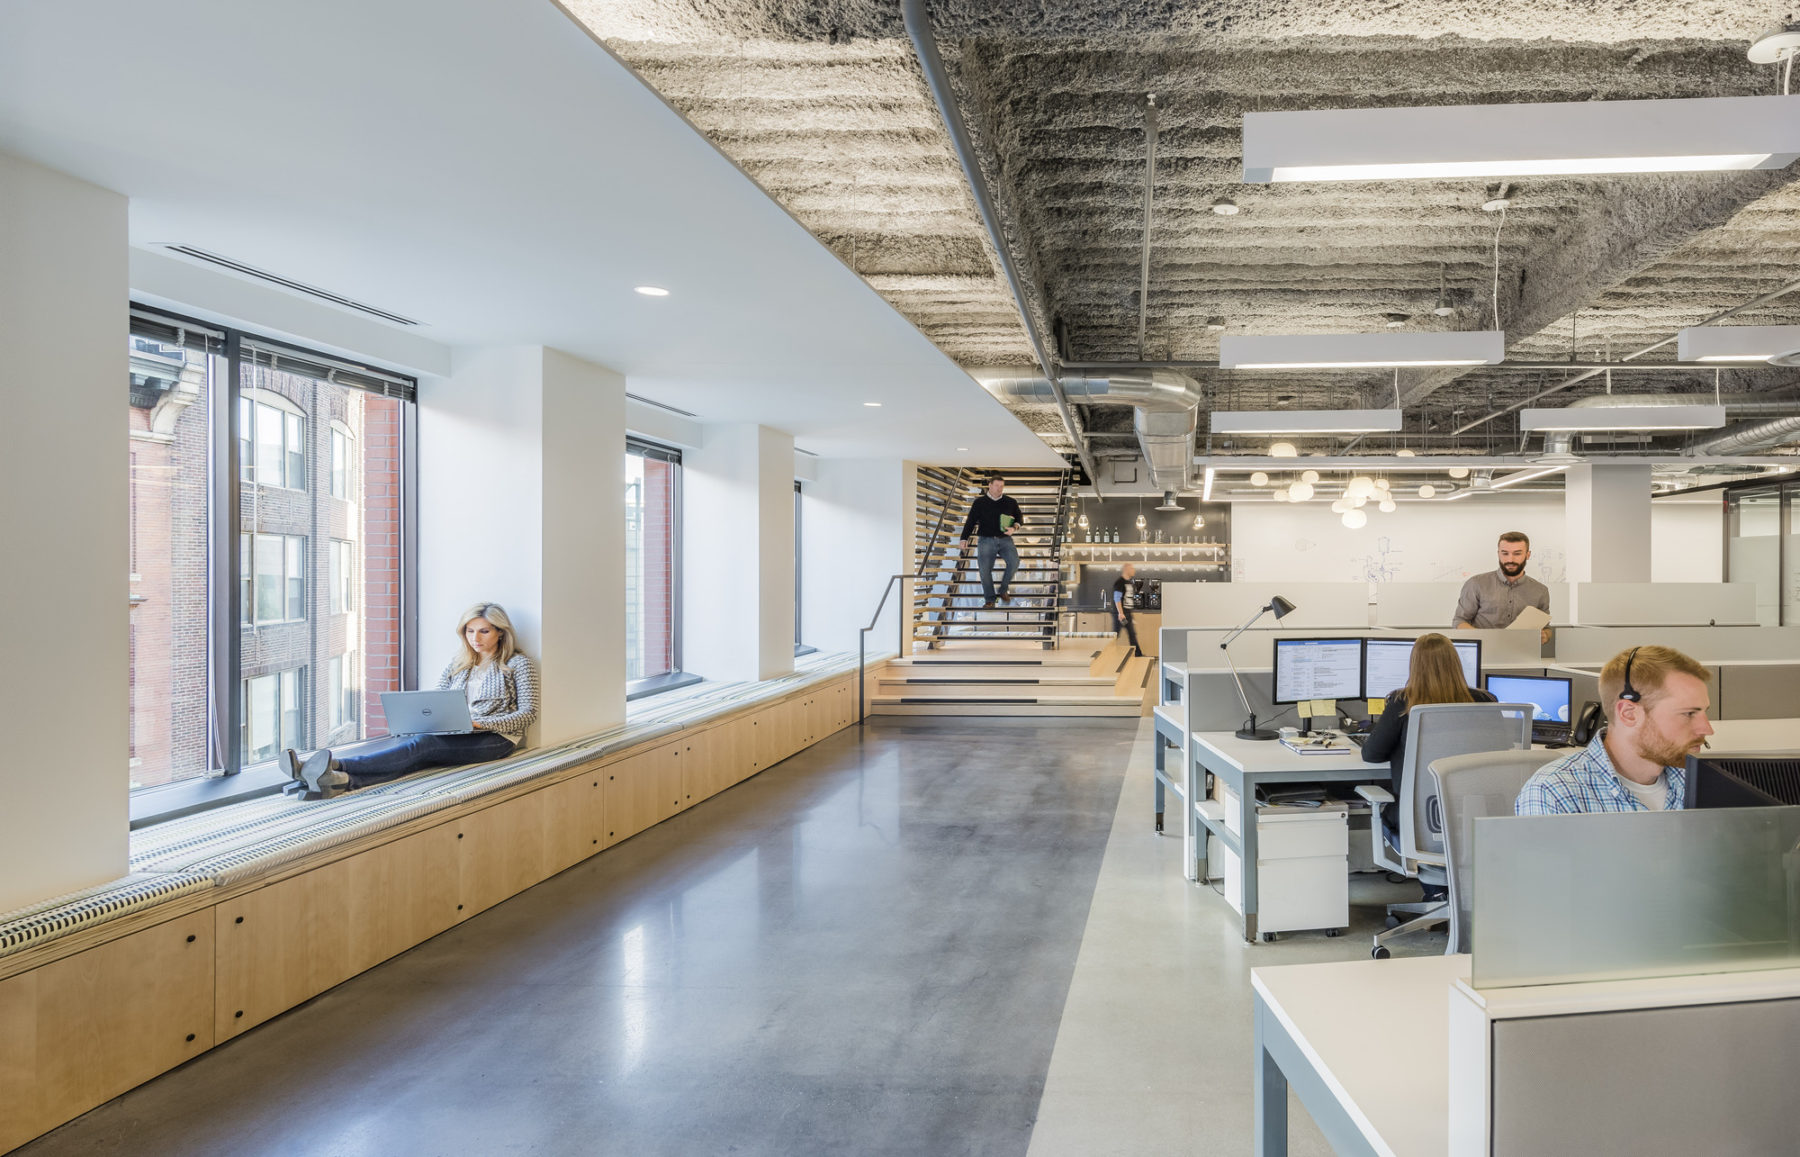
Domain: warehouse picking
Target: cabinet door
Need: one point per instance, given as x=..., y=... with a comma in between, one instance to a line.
x=712, y=760
x=573, y=819
x=640, y=792
x=502, y=851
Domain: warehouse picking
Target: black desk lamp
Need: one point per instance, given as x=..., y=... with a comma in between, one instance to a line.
x=1282, y=609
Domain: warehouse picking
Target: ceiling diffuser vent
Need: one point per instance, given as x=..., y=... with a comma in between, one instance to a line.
x=287, y=284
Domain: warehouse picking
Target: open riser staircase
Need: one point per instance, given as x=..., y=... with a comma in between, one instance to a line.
x=969, y=659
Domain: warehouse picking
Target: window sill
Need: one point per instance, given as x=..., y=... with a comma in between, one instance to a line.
x=802, y=649
x=170, y=801
x=656, y=684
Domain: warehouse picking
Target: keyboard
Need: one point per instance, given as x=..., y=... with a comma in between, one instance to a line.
x=1548, y=732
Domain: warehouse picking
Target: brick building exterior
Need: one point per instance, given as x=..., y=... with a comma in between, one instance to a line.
x=319, y=580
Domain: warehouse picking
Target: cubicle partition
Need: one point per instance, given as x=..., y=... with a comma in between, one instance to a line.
x=1662, y=605
x=1432, y=606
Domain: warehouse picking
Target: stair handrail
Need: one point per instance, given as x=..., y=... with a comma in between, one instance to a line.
x=958, y=479
x=862, y=640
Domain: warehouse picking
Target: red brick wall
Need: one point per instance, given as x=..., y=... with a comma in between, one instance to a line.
x=381, y=557
x=658, y=627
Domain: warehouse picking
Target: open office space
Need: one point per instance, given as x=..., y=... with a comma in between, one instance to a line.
x=924, y=577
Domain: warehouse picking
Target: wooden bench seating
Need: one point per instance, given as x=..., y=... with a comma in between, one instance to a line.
x=233, y=916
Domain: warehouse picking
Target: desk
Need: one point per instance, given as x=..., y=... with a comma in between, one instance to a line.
x=1371, y=1090
x=1242, y=764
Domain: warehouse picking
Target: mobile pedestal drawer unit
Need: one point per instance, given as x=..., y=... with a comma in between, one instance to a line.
x=1302, y=865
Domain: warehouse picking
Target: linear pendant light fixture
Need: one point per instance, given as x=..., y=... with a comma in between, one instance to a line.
x=1779, y=344
x=1698, y=134
x=1330, y=351
x=1598, y=418
x=1305, y=421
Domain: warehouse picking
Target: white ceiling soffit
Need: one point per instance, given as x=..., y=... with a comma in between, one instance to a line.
x=1304, y=421
x=1361, y=350
x=1598, y=418
x=1522, y=140
x=488, y=168
x=1739, y=343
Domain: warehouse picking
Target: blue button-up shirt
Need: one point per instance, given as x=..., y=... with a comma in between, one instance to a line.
x=1586, y=781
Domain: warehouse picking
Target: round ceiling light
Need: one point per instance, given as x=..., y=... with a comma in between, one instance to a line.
x=1355, y=519
x=1259, y=479
x=1225, y=207
x=1777, y=43
x=1283, y=450
x=1458, y=471
x=1340, y=506
x=650, y=290
x=1215, y=324
x=1199, y=522
x=1396, y=320
x=1427, y=490
x=1300, y=492
x=1403, y=454
x=1309, y=475
x=1387, y=506
x=1360, y=486
x=1280, y=496
x=1381, y=484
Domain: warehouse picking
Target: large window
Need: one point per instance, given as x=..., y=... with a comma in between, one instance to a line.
x=652, y=532
x=266, y=594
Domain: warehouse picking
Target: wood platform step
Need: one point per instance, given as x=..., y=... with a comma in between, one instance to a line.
x=888, y=705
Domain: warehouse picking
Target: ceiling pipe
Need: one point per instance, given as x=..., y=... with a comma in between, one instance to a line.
x=1780, y=291
x=1166, y=405
x=1532, y=367
x=918, y=28
x=1150, y=127
x=1736, y=405
x=1747, y=437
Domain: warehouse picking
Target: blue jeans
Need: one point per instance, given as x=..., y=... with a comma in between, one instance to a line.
x=382, y=759
x=985, y=553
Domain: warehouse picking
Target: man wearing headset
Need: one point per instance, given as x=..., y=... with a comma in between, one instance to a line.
x=1655, y=700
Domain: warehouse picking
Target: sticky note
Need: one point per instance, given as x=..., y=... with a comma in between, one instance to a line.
x=1377, y=706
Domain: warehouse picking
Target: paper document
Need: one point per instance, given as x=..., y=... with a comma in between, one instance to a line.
x=1530, y=619
x=1335, y=745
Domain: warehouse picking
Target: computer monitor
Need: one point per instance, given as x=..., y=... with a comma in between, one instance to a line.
x=1763, y=779
x=1317, y=669
x=1548, y=693
x=1388, y=662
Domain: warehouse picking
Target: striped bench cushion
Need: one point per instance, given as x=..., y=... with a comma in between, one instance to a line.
x=60, y=915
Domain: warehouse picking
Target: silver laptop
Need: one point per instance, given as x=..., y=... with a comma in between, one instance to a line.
x=427, y=712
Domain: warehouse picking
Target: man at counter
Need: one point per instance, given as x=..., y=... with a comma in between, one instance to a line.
x=1495, y=598
x=1123, y=602
x=1655, y=700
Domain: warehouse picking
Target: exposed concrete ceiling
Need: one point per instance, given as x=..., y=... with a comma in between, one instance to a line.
x=823, y=103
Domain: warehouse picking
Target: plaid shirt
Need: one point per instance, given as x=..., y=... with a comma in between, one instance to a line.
x=1586, y=782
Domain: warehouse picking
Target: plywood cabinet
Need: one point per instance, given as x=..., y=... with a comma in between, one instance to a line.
x=640, y=791
x=79, y=1031
x=713, y=760
x=574, y=820
x=286, y=943
x=501, y=852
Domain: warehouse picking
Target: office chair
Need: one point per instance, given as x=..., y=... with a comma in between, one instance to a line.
x=1433, y=732
x=1471, y=787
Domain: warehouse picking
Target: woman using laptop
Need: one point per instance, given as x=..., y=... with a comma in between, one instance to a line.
x=502, y=685
x=1434, y=675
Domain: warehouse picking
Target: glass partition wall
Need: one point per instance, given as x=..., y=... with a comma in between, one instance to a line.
x=269, y=551
x=1761, y=547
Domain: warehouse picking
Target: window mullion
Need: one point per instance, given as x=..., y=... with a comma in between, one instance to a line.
x=226, y=639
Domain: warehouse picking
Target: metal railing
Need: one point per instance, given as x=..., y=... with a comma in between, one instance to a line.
x=862, y=639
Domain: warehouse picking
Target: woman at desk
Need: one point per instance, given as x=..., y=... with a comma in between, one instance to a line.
x=502, y=686
x=1434, y=676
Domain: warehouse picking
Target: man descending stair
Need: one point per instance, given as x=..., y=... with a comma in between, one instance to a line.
x=1124, y=601
x=994, y=517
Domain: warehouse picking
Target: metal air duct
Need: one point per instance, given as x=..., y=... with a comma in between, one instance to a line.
x=1167, y=406
x=1748, y=438
x=1736, y=405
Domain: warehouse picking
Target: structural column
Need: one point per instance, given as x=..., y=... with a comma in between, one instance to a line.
x=1607, y=521
x=64, y=780
x=737, y=603
x=856, y=519
x=521, y=502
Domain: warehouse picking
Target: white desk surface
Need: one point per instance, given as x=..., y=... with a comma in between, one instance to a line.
x=1390, y=1073
x=1171, y=714
x=1254, y=755
x=1648, y=992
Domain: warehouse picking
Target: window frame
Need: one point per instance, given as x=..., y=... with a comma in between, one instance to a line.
x=227, y=779
x=675, y=676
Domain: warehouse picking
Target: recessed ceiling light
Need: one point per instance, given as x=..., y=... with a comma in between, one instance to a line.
x=962, y=449
x=1225, y=207
x=1215, y=323
x=1396, y=320
x=875, y=405
x=1403, y=453
x=651, y=290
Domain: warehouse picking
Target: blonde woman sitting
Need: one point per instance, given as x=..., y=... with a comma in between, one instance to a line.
x=502, y=685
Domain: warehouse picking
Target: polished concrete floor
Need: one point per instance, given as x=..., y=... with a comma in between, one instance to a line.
x=864, y=950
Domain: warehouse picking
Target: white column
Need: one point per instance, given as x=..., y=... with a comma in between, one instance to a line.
x=1607, y=520
x=737, y=514
x=853, y=539
x=64, y=781
x=521, y=502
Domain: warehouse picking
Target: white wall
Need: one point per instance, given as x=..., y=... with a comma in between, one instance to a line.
x=64, y=787
x=853, y=537
x=1448, y=541
x=737, y=599
x=521, y=502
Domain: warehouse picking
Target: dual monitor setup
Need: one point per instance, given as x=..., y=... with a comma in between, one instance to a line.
x=1373, y=668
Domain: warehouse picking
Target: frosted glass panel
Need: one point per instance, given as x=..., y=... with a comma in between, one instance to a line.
x=1613, y=896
